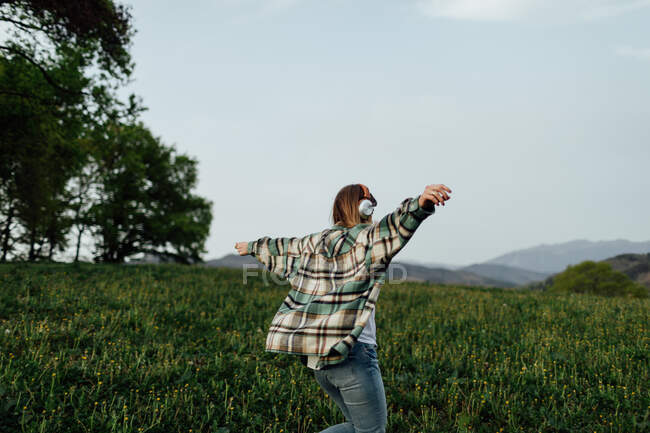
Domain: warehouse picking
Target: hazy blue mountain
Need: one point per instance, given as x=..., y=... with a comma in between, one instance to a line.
x=436, y=265
x=555, y=258
x=512, y=275
x=413, y=272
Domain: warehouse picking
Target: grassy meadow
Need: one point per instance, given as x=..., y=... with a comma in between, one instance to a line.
x=103, y=348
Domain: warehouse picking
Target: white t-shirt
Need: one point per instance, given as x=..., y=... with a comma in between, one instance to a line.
x=368, y=335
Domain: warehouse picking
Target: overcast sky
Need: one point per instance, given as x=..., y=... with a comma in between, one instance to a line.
x=535, y=113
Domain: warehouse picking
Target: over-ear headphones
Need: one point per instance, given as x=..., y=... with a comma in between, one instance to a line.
x=367, y=205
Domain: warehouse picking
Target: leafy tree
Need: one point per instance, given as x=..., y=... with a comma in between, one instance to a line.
x=145, y=202
x=73, y=154
x=37, y=144
x=47, y=98
x=596, y=278
x=100, y=30
x=97, y=34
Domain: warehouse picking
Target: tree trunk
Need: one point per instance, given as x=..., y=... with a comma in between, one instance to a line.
x=49, y=253
x=32, y=241
x=5, y=235
x=81, y=230
x=38, y=251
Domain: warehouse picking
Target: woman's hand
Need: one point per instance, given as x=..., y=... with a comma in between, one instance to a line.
x=242, y=248
x=436, y=194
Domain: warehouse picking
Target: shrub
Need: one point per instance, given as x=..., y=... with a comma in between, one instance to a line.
x=597, y=278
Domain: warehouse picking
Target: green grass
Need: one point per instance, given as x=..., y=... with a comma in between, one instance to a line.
x=100, y=348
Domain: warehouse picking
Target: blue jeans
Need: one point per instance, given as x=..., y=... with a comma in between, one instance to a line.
x=356, y=387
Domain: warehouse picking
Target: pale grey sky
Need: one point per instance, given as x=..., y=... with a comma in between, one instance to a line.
x=535, y=113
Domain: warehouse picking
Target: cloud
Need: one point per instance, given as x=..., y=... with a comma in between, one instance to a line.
x=637, y=53
x=511, y=10
x=482, y=10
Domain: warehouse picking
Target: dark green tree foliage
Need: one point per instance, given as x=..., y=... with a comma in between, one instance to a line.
x=72, y=154
x=95, y=33
x=596, y=278
x=46, y=100
x=37, y=142
x=99, y=28
x=145, y=202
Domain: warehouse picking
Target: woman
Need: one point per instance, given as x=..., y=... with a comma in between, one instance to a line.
x=328, y=317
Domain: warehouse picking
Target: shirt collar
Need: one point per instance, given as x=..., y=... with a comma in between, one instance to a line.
x=338, y=227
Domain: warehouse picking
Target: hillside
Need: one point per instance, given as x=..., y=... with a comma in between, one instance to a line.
x=554, y=258
x=635, y=266
x=232, y=261
x=174, y=348
x=512, y=275
x=408, y=271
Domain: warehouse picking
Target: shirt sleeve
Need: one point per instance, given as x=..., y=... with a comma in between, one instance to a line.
x=389, y=235
x=278, y=255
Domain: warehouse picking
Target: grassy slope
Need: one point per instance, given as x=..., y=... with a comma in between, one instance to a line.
x=635, y=266
x=116, y=348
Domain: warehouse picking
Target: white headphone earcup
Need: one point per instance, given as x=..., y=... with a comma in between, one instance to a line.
x=366, y=208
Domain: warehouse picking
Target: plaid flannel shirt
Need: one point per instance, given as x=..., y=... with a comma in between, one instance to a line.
x=335, y=277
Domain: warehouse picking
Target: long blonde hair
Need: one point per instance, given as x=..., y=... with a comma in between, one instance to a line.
x=345, y=211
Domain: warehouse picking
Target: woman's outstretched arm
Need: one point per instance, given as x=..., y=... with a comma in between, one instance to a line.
x=278, y=255
x=389, y=235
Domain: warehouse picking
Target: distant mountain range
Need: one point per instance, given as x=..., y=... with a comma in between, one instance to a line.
x=408, y=271
x=512, y=275
x=555, y=258
x=518, y=268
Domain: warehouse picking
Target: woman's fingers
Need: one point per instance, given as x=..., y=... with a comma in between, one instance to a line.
x=436, y=193
x=432, y=196
x=442, y=193
x=442, y=189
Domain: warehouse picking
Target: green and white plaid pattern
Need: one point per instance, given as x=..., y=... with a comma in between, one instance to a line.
x=335, y=277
